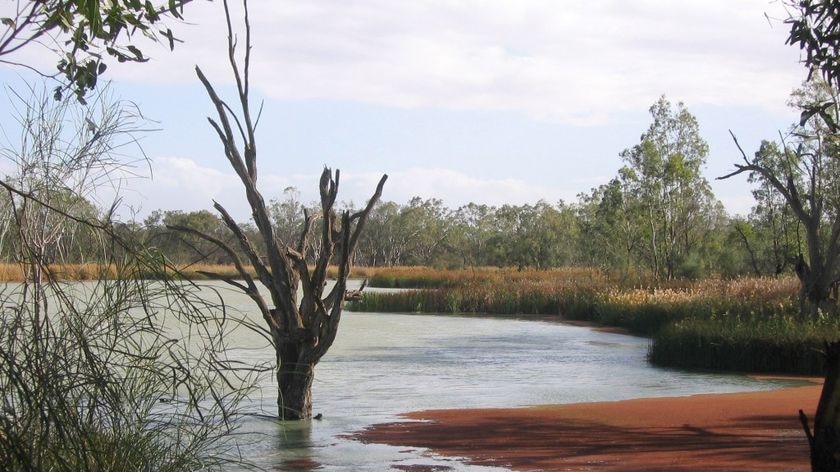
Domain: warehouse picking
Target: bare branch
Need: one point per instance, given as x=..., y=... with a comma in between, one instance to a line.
x=224, y=131
x=738, y=145
x=251, y=288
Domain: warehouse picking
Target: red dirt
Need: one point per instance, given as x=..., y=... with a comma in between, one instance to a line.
x=757, y=431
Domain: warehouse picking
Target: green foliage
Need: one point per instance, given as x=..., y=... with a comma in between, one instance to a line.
x=118, y=374
x=287, y=216
x=816, y=31
x=93, y=30
x=777, y=343
x=664, y=183
x=186, y=248
x=92, y=378
x=800, y=190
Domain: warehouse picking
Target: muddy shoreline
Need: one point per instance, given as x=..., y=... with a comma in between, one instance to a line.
x=752, y=431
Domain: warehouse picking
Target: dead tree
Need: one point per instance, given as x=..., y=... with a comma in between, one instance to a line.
x=824, y=439
x=822, y=269
x=300, y=331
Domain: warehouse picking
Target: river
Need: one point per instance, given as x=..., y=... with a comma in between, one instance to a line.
x=384, y=364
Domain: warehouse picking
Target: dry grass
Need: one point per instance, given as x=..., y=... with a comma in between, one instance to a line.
x=747, y=324
x=15, y=272
x=70, y=272
x=427, y=277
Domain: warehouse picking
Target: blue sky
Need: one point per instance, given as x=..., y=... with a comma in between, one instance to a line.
x=464, y=100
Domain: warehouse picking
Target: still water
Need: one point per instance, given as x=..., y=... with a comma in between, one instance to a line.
x=384, y=364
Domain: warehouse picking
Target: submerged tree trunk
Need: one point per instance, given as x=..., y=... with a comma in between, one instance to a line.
x=294, y=379
x=301, y=328
x=824, y=440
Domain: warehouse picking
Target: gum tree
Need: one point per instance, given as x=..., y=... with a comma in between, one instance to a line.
x=83, y=33
x=301, y=313
x=663, y=173
x=805, y=171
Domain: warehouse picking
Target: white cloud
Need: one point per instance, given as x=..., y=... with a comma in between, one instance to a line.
x=576, y=62
x=457, y=188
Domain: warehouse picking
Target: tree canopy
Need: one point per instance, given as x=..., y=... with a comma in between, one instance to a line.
x=83, y=33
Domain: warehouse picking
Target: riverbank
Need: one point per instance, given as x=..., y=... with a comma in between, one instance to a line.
x=735, y=325
x=753, y=431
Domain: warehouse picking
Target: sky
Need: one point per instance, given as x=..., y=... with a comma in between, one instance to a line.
x=486, y=101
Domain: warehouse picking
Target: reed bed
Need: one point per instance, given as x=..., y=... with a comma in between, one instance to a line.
x=80, y=272
x=592, y=297
x=776, y=344
x=83, y=272
x=16, y=272
x=427, y=277
x=747, y=324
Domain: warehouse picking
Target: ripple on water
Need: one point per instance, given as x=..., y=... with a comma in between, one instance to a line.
x=384, y=364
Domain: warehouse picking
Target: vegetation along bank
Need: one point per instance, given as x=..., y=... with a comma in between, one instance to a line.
x=745, y=324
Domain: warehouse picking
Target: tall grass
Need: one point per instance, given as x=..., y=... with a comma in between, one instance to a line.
x=747, y=324
x=778, y=344
x=593, y=297
x=427, y=277
x=121, y=375
x=10, y=272
x=15, y=272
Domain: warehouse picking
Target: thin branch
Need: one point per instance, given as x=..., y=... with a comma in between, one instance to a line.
x=251, y=289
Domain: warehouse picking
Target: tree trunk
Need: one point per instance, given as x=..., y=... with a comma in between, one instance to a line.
x=824, y=440
x=304, y=327
x=294, y=379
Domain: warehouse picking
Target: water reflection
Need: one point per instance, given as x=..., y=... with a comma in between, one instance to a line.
x=295, y=438
x=382, y=365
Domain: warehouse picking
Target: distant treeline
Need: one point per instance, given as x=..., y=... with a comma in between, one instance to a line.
x=606, y=228
x=658, y=215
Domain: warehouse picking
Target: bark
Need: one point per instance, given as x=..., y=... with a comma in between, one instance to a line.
x=821, y=269
x=301, y=332
x=824, y=439
x=294, y=399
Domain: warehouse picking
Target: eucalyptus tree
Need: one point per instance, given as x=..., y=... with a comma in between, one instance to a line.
x=301, y=331
x=383, y=243
x=778, y=232
x=287, y=215
x=611, y=230
x=425, y=224
x=472, y=225
x=805, y=171
x=82, y=33
x=663, y=173
x=182, y=248
x=546, y=235
x=815, y=30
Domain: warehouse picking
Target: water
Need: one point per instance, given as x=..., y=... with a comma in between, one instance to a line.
x=385, y=364
x=382, y=365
